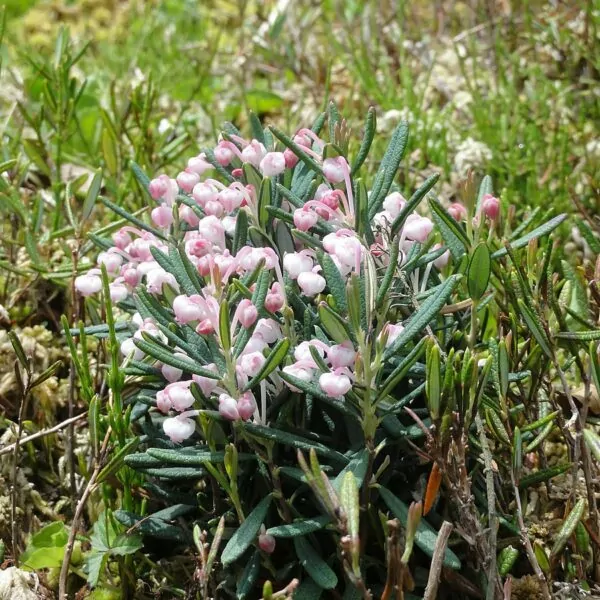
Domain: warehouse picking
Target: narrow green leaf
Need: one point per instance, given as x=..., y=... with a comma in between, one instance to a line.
x=92, y=195
x=335, y=282
x=536, y=328
x=580, y=336
x=249, y=575
x=298, y=528
x=224, y=326
x=240, y=237
x=264, y=200
x=365, y=146
x=333, y=324
x=275, y=358
x=425, y=536
x=543, y=475
x=246, y=534
x=422, y=317
x=314, y=565
x=117, y=460
x=297, y=150
x=593, y=442
x=568, y=527
x=388, y=168
x=536, y=233
x=452, y=233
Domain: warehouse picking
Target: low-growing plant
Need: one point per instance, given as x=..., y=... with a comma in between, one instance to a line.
x=334, y=394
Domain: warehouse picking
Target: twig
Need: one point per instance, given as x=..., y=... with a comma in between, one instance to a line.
x=437, y=561
x=525, y=539
x=494, y=586
x=42, y=433
x=89, y=488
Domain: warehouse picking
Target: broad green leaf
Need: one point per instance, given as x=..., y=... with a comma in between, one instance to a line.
x=247, y=532
x=536, y=233
x=46, y=548
x=480, y=268
x=422, y=317
x=425, y=536
x=314, y=565
x=302, y=527
x=388, y=168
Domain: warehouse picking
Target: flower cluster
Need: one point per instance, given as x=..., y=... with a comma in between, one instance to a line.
x=220, y=233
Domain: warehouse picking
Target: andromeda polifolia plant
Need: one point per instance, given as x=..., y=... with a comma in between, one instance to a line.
x=320, y=375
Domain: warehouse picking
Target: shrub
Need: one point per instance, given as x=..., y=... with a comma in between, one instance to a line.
x=299, y=360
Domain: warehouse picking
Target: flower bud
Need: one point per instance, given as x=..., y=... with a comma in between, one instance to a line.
x=223, y=154
x=118, y=291
x=111, y=260
x=179, y=428
x=417, y=228
x=162, y=216
x=490, y=206
x=204, y=192
x=253, y=153
x=441, y=261
x=211, y=229
x=335, y=384
x=206, y=384
x=305, y=219
x=121, y=239
x=199, y=164
x=311, y=284
x=247, y=313
x=335, y=169
x=205, y=327
x=341, y=355
x=291, y=160
x=394, y=203
x=158, y=187
x=187, y=215
x=251, y=363
x=187, y=309
x=186, y=180
x=268, y=330
x=266, y=543
x=88, y=284
x=228, y=408
x=457, y=211
x=246, y=406
x=295, y=263
x=272, y=164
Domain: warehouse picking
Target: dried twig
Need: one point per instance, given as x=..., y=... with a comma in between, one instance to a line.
x=42, y=433
x=437, y=561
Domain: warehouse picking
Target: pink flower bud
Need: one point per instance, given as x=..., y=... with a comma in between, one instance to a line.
x=394, y=203
x=335, y=384
x=179, y=428
x=335, y=169
x=199, y=164
x=188, y=309
x=255, y=344
x=205, y=327
x=157, y=278
x=175, y=396
x=457, y=211
x=118, y=291
x=490, y=206
x=302, y=373
x=272, y=164
x=441, y=261
x=266, y=543
x=295, y=263
x=223, y=154
x=237, y=172
x=158, y=187
x=197, y=247
x=247, y=313
x=211, y=229
x=206, y=384
x=231, y=198
x=302, y=350
x=331, y=199
x=268, y=330
x=228, y=408
x=229, y=223
x=311, y=284
x=172, y=374
x=302, y=140
x=214, y=208
x=204, y=192
x=251, y=363
x=291, y=160
x=162, y=216
x=187, y=215
x=274, y=300
x=246, y=406
x=111, y=260
x=393, y=331
x=341, y=355
x=121, y=239
x=88, y=284
x=417, y=228
x=305, y=219
x=187, y=180
x=130, y=274
x=253, y=153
